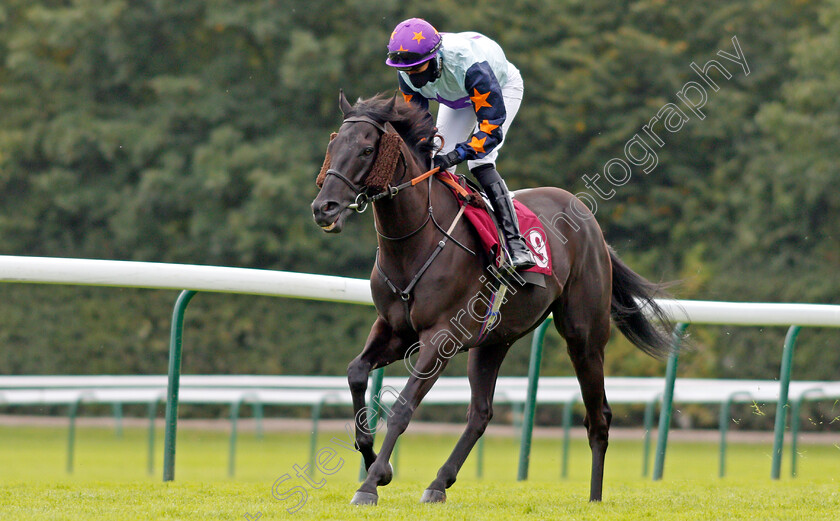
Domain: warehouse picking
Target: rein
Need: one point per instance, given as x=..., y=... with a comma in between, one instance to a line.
x=391, y=192
x=363, y=199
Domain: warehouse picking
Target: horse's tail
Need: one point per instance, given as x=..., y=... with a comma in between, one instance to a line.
x=635, y=312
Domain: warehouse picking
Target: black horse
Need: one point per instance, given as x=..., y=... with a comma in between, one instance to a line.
x=430, y=285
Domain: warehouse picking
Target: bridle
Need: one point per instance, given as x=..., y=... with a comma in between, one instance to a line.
x=363, y=199
x=363, y=196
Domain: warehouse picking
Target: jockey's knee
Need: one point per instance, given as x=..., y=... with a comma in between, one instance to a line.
x=486, y=174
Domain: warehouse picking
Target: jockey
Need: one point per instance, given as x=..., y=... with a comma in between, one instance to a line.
x=479, y=92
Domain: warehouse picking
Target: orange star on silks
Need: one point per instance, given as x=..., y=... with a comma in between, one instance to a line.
x=406, y=97
x=477, y=144
x=480, y=100
x=418, y=36
x=487, y=127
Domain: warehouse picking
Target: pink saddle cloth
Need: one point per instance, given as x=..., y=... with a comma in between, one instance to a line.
x=530, y=226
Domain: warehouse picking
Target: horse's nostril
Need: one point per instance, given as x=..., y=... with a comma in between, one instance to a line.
x=329, y=207
x=326, y=212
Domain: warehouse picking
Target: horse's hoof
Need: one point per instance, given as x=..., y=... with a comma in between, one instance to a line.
x=384, y=480
x=433, y=496
x=364, y=498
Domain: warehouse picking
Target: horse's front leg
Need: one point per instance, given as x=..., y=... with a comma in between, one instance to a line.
x=382, y=348
x=424, y=374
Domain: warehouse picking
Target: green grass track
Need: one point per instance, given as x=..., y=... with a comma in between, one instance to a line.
x=110, y=480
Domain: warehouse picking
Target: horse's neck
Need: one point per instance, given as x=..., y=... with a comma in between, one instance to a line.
x=406, y=213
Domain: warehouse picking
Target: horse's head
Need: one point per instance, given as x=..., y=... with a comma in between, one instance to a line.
x=364, y=154
x=361, y=159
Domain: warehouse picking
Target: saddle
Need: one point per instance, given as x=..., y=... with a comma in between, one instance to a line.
x=479, y=213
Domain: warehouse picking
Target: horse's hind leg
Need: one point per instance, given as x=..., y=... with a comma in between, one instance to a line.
x=483, y=368
x=586, y=335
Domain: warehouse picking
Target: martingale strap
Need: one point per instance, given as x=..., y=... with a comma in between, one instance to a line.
x=405, y=294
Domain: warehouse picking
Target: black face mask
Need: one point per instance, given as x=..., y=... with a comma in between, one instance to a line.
x=431, y=73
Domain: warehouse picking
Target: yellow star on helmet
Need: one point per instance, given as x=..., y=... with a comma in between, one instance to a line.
x=418, y=36
x=401, y=49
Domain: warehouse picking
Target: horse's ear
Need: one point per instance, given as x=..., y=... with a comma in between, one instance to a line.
x=343, y=104
x=392, y=104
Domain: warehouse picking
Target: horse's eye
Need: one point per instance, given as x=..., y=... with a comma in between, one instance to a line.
x=367, y=151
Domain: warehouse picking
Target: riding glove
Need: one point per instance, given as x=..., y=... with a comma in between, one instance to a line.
x=444, y=161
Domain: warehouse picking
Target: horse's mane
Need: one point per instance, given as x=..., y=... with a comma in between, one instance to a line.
x=413, y=123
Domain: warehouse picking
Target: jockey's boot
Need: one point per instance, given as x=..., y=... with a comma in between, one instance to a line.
x=520, y=255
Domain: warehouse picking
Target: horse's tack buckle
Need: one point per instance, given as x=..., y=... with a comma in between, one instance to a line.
x=360, y=204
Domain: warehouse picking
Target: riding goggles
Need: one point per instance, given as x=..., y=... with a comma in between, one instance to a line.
x=407, y=60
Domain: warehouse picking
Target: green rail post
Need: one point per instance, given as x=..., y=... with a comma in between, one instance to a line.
x=794, y=425
x=781, y=406
x=479, y=466
x=531, y=400
x=650, y=410
x=725, y=406
x=174, y=383
x=567, y=434
x=258, y=419
x=234, y=421
x=375, y=405
x=150, y=464
x=118, y=415
x=313, y=439
x=516, y=416
x=71, y=432
x=373, y=409
x=667, y=402
x=395, y=458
